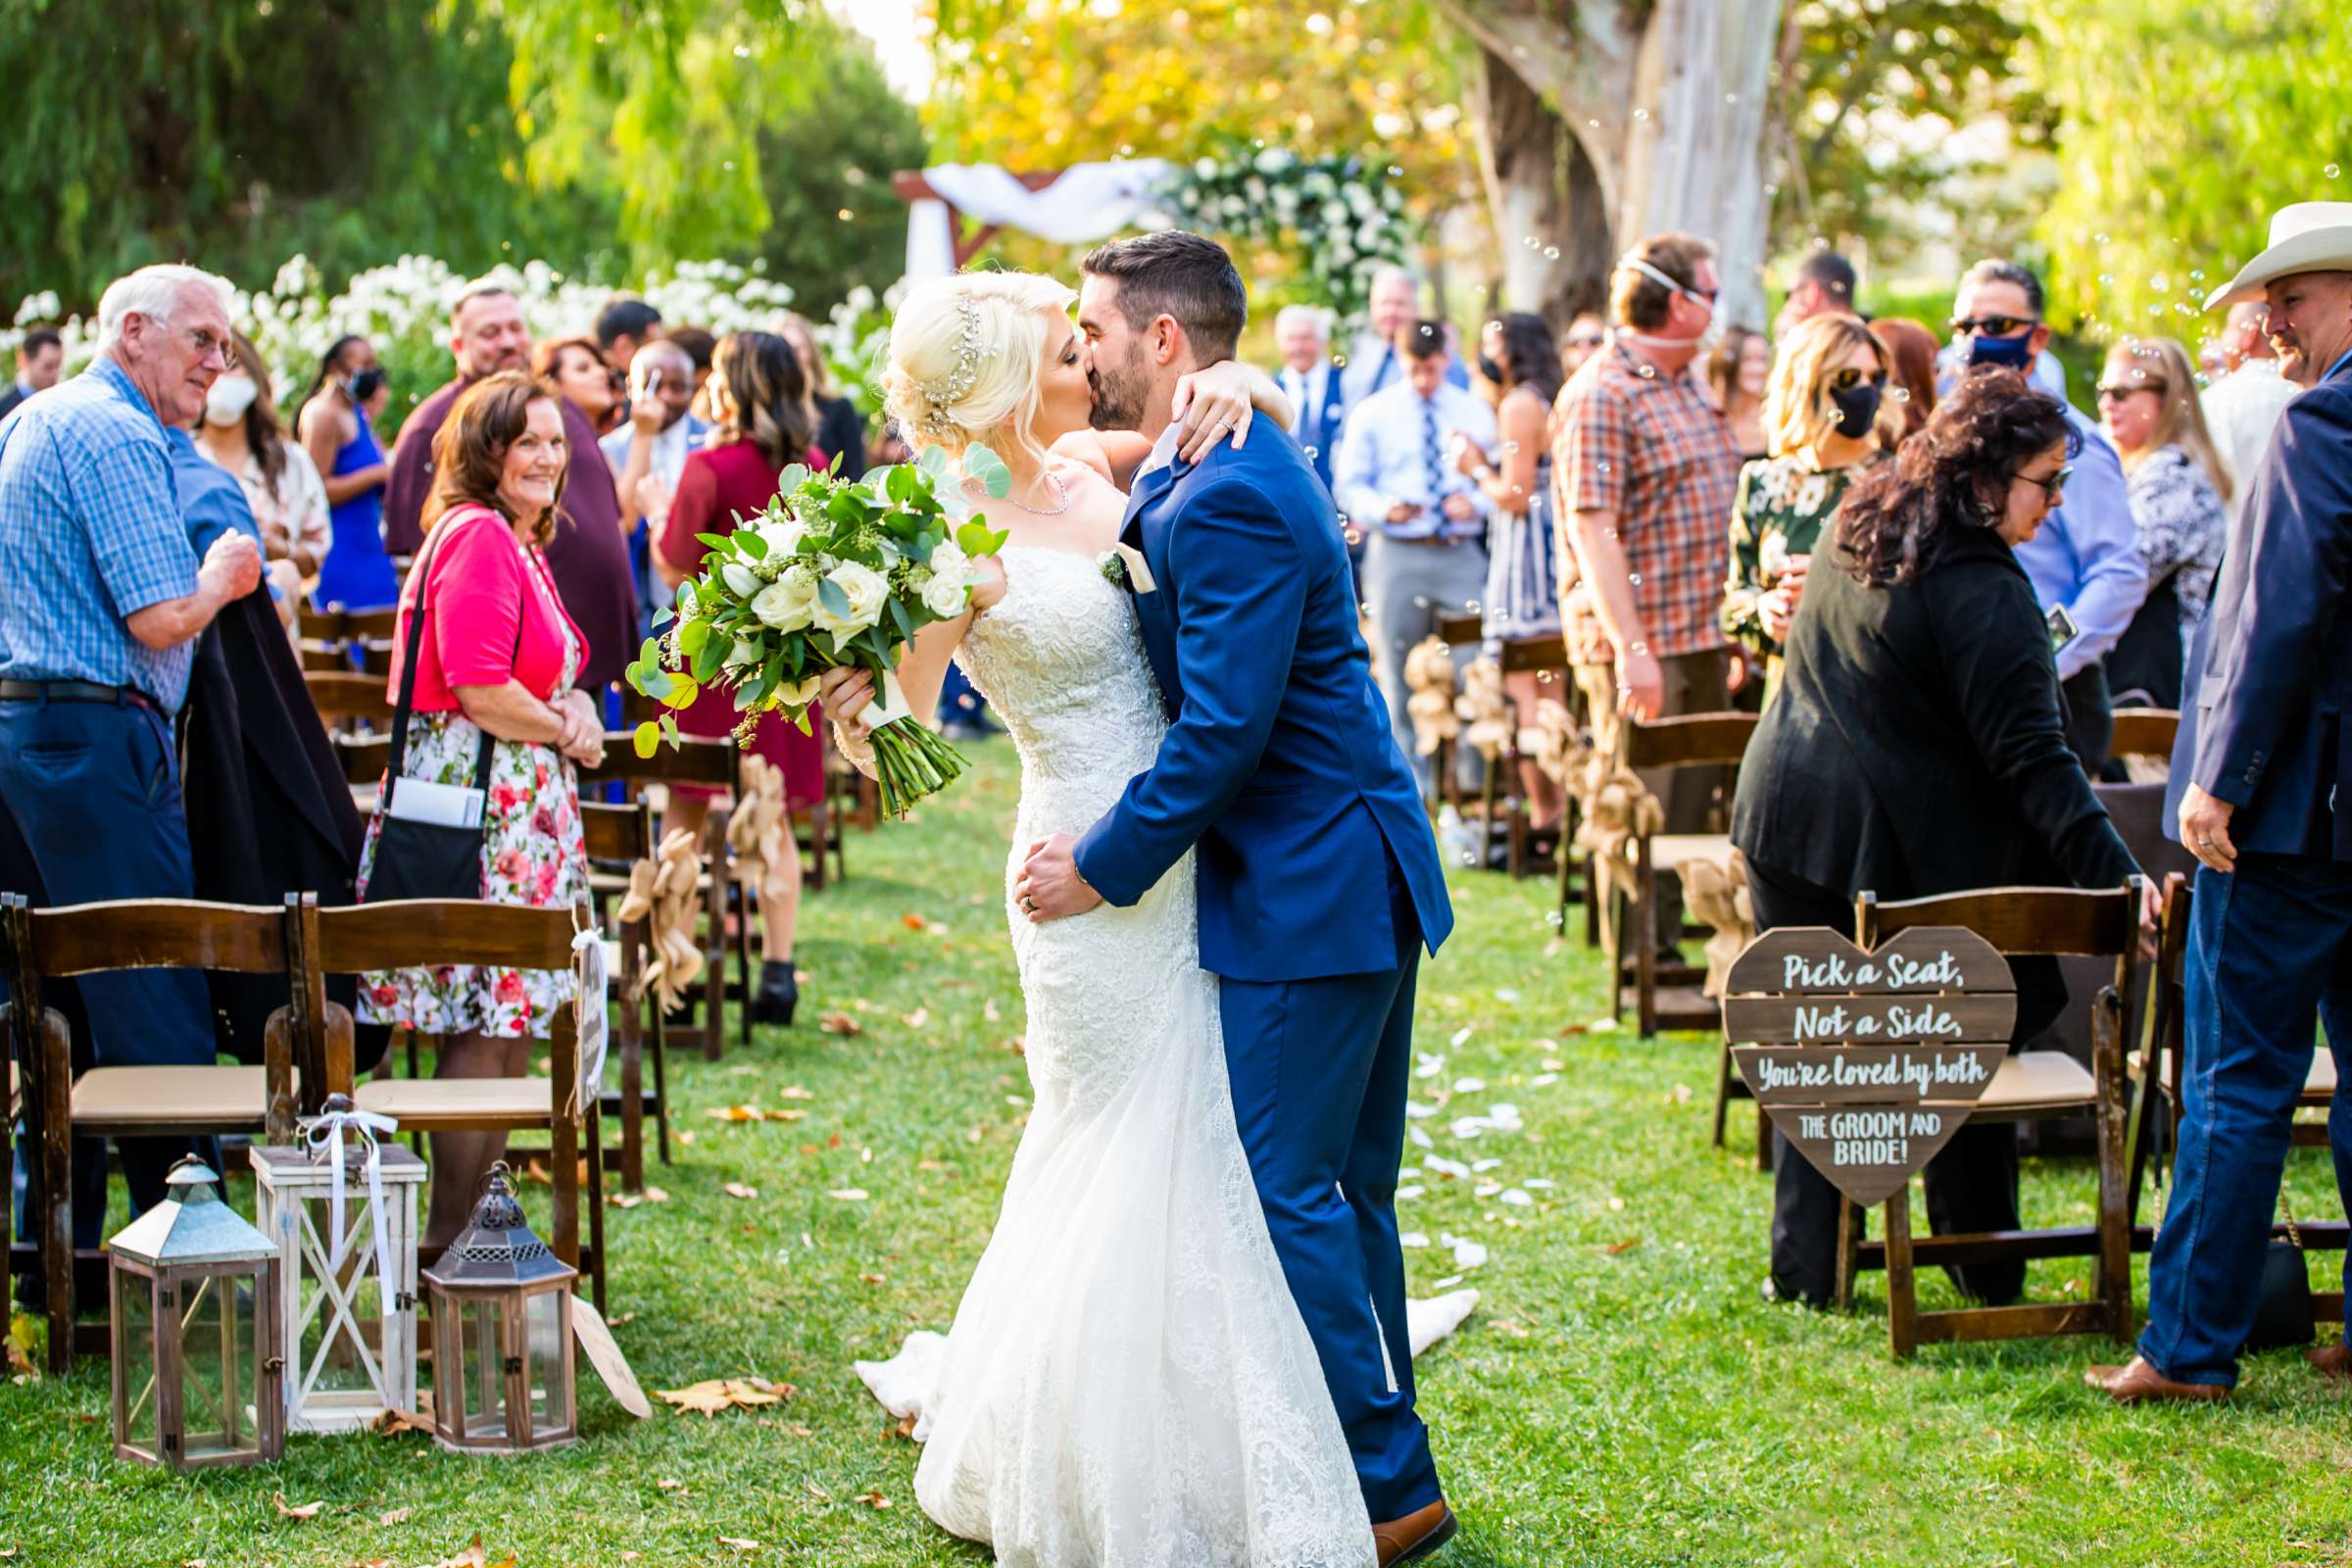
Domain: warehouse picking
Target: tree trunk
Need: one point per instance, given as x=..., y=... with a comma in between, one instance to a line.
x=1623, y=122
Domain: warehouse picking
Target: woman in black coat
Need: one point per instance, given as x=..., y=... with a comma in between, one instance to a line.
x=1919, y=746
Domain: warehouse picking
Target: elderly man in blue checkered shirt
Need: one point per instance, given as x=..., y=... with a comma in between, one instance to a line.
x=101, y=599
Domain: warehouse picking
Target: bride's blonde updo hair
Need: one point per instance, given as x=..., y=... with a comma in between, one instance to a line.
x=965, y=353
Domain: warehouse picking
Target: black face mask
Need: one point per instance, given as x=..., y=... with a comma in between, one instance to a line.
x=1857, y=408
x=366, y=383
x=1490, y=370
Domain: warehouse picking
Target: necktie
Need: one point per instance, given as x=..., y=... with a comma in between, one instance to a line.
x=1388, y=367
x=1433, y=459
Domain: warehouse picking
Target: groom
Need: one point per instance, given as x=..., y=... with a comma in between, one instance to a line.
x=1318, y=877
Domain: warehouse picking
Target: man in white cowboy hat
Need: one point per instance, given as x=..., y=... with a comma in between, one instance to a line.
x=2266, y=740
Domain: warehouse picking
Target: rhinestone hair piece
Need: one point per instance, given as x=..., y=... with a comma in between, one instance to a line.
x=943, y=393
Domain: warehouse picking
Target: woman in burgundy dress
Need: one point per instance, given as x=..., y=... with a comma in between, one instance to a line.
x=759, y=411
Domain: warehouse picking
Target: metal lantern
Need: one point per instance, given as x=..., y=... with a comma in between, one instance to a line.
x=502, y=1333
x=197, y=1367
x=347, y=1268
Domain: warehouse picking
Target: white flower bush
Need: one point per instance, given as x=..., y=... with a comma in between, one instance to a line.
x=1340, y=219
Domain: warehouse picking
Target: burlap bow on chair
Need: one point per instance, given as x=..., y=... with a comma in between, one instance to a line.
x=760, y=831
x=1489, y=726
x=1556, y=745
x=666, y=890
x=1429, y=676
x=1716, y=890
x=1616, y=810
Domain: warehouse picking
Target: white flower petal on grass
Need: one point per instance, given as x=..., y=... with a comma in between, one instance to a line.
x=1544, y=1080
x=1517, y=1198
x=1537, y=1181
x=1406, y=1195
x=1419, y=1112
x=1412, y=1238
x=1467, y=1254
x=1421, y=1140
x=1486, y=1164
x=1463, y=1035
x=1467, y=1127
x=1439, y=1165
x=1468, y=1086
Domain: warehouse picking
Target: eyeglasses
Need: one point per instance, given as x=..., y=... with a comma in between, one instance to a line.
x=2116, y=392
x=1846, y=377
x=2055, y=485
x=1991, y=326
x=207, y=345
x=1583, y=340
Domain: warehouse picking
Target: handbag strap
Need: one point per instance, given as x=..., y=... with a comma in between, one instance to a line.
x=406, y=701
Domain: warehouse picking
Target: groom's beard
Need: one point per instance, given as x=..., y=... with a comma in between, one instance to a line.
x=1116, y=401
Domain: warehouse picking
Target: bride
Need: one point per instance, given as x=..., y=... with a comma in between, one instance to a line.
x=1127, y=1381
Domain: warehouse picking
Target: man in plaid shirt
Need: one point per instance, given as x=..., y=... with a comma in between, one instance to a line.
x=1646, y=472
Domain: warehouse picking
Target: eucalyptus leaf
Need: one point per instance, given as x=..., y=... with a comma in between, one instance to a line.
x=933, y=461
x=793, y=478
x=987, y=470
x=646, y=738
x=830, y=594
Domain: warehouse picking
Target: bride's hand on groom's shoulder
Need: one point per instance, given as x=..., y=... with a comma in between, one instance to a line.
x=1211, y=404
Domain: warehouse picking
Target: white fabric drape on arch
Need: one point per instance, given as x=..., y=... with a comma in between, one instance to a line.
x=1088, y=202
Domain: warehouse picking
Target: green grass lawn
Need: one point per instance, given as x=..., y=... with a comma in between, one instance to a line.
x=1621, y=1397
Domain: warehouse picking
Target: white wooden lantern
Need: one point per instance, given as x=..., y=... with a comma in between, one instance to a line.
x=347, y=1272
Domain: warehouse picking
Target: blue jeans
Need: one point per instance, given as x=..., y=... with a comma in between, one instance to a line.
x=1320, y=1071
x=91, y=796
x=2270, y=955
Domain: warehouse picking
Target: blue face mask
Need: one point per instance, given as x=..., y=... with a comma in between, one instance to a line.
x=2016, y=353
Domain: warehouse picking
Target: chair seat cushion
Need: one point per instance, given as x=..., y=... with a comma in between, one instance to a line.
x=2038, y=1079
x=1669, y=851
x=172, y=1096
x=486, y=1102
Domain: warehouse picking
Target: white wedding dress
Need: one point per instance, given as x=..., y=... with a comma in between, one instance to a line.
x=1127, y=1383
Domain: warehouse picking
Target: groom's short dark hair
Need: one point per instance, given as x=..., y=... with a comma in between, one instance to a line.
x=1182, y=276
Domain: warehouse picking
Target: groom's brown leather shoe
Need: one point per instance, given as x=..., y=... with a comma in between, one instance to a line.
x=1416, y=1535
x=2331, y=1361
x=2141, y=1384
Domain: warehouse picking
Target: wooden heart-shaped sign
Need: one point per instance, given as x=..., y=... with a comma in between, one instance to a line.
x=1868, y=1062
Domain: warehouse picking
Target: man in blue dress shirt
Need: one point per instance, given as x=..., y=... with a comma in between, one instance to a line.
x=2258, y=794
x=1424, y=521
x=101, y=599
x=2085, y=559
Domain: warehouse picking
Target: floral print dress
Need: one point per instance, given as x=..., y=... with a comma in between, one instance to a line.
x=1782, y=510
x=534, y=852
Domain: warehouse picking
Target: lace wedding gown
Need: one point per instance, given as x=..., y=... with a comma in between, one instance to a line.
x=1127, y=1381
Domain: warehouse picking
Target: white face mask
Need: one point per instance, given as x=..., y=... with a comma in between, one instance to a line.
x=1708, y=336
x=229, y=398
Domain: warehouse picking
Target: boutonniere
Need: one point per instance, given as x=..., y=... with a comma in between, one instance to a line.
x=1123, y=566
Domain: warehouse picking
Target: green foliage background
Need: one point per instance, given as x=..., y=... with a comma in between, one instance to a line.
x=605, y=136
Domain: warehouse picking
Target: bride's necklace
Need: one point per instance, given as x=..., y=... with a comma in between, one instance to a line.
x=1061, y=494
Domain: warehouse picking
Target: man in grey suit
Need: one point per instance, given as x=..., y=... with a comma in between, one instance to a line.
x=2265, y=747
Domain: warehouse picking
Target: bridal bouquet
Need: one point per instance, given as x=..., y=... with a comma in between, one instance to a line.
x=831, y=573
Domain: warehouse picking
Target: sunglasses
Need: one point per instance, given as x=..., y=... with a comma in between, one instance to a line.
x=1991, y=326
x=1582, y=341
x=2116, y=392
x=2055, y=485
x=1846, y=377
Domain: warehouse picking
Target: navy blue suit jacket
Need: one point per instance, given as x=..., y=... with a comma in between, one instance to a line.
x=2269, y=678
x=1279, y=763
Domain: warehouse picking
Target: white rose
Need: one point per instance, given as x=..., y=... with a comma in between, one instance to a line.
x=739, y=578
x=943, y=596
x=783, y=538
x=948, y=560
x=788, y=604
x=866, y=590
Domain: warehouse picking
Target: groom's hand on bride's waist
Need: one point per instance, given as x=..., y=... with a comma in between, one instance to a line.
x=1049, y=887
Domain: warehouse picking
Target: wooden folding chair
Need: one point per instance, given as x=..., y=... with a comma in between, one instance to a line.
x=336, y=624
x=716, y=762
x=2156, y=1074
x=1668, y=997
x=1507, y=813
x=618, y=837
x=133, y=1102
x=2033, y=1086
x=429, y=933
x=2144, y=732
x=348, y=700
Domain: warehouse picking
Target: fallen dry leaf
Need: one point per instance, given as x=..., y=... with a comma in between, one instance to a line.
x=988, y=1012
x=848, y=1195
x=670, y=1486
x=474, y=1556
x=735, y=1113
x=392, y=1423
x=839, y=1023
x=654, y=1194
x=917, y=1019
x=817, y=1491
x=397, y=1516
x=739, y=1544
x=912, y=921
x=795, y=1091
x=684, y=1135
x=1620, y=1248
x=309, y=1510
x=929, y=1164
x=874, y=1279
x=715, y=1394
x=739, y=1189
x=618, y=1321
x=624, y=1200
x=872, y=1499
x=904, y=1429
